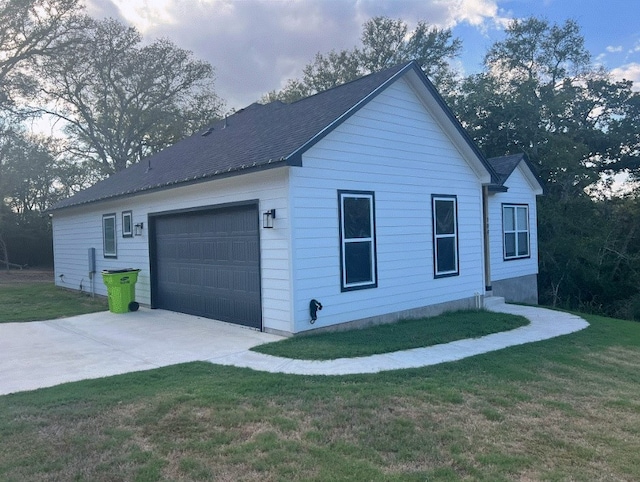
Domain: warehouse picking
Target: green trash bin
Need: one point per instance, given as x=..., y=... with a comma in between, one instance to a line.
x=121, y=289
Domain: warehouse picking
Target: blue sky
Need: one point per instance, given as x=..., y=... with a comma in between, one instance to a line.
x=256, y=45
x=611, y=29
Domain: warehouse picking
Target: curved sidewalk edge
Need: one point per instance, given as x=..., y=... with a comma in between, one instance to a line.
x=544, y=324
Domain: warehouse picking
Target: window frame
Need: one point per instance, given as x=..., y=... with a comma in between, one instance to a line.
x=105, y=253
x=127, y=233
x=454, y=199
x=373, y=282
x=515, y=231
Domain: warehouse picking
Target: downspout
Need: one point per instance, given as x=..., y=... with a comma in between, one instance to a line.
x=488, y=289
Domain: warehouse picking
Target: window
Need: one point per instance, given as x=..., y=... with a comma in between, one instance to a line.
x=357, y=240
x=515, y=225
x=127, y=226
x=445, y=235
x=109, y=235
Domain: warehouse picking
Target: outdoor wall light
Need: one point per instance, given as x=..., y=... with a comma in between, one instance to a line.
x=137, y=229
x=268, y=217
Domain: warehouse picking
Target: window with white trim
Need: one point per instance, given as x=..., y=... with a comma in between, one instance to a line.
x=445, y=235
x=127, y=224
x=357, y=240
x=109, y=247
x=515, y=226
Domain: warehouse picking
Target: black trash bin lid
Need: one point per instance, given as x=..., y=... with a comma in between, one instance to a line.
x=115, y=271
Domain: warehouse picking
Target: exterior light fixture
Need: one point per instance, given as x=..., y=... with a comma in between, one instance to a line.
x=268, y=217
x=137, y=229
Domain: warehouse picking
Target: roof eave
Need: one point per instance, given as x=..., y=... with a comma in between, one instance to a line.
x=497, y=188
x=271, y=164
x=535, y=177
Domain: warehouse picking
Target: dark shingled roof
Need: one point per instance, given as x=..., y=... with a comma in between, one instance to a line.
x=254, y=138
x=504, y=166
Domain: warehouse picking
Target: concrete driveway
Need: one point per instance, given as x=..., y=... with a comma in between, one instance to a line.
x=42, y=354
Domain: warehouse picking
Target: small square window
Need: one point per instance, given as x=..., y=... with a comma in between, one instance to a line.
x=127, y=224
x=109, y=245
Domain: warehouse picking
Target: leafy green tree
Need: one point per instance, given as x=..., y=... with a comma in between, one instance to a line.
x=540, y=94
x=123, y=100
x=30, y=181
x=385, y=42
x=32, y=30
x=32, y=174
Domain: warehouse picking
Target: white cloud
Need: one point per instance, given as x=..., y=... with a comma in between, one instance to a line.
x=256, y=45
x=628, y=72
x=479, y=13
x=611, y=48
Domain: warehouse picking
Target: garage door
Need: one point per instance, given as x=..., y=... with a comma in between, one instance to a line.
x=207, y=263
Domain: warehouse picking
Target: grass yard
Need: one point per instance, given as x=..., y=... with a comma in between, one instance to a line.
x=393, y=337
x=44, y=301
x=561, y=409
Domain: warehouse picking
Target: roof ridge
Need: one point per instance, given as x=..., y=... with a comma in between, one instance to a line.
x=381, y=73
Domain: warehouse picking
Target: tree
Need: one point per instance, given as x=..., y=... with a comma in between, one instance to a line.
x=385, y=42
x=540, y=94
x=388, y=42
x=31, y=180
x=122, y=100
x=32, y=174
x=31, y=30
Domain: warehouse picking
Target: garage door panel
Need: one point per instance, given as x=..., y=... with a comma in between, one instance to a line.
x=207, y=264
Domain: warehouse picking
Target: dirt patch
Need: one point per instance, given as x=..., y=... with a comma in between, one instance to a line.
x=22, y=276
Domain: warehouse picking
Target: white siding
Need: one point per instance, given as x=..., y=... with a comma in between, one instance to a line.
x=77, y=229
x=520, y=192
x=394, y=147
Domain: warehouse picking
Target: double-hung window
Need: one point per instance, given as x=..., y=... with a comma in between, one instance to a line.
x=515, y=226
x=445, y=235
x=357, y=240
x=109, y=236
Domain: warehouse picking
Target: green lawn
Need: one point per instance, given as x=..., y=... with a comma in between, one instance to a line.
x=44, y=301
x=562, y=409
x=393, y=337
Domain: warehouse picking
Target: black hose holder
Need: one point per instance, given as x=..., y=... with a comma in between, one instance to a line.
x=314, y=307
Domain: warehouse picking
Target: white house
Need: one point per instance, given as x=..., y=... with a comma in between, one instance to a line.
x=369, y=198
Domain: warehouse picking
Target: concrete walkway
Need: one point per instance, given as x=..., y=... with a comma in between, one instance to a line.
x=42, y=354
x=544, y=324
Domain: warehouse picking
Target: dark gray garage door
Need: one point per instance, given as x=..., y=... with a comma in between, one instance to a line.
x=207, y=263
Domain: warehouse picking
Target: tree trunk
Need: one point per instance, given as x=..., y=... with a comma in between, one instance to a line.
x=4, y=252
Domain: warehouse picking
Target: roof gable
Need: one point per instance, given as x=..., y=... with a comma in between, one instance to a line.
x=504, y=166
x=271, y=135
x=435, y=104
